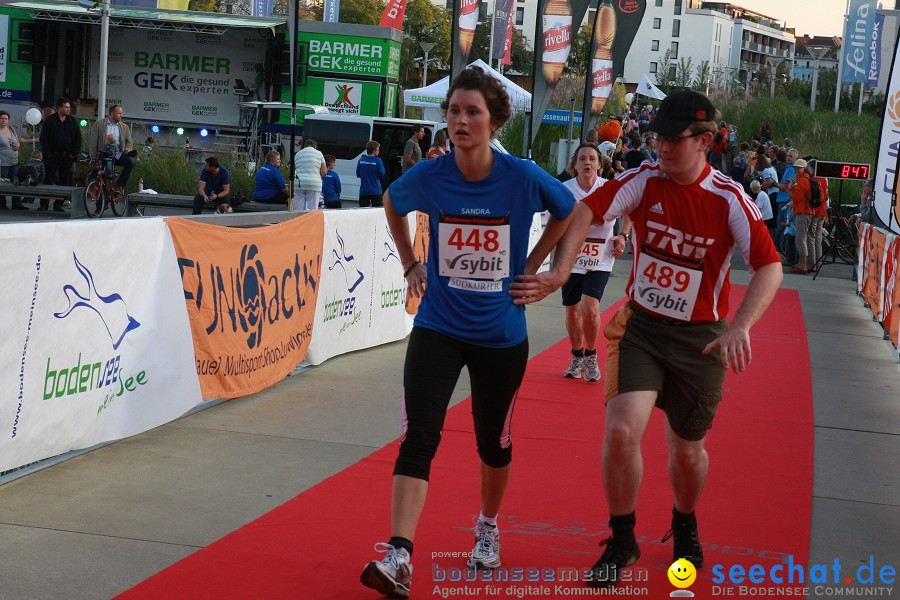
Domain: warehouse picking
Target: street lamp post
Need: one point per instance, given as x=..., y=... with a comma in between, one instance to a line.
x=774, y=63
x=104, y=56
x=817, y=52
x=426, y=46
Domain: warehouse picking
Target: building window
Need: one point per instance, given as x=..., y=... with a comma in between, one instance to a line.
x=654, y=45
x=450, y=6
x=659, y=2
x=674, y=50
x=482, y=11
x=520, y=15
x=672, y=73
x=677, y=7
x=653, y=67
x=657, y=23
x=676, y=27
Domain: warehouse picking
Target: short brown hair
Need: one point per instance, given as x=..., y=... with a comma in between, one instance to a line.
x=330, y=159
x=372, y=146
x=495, y=97
x=582, y=146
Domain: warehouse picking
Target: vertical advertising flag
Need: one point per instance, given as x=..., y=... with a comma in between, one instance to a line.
x=857, y=39
x=615, y=26
x=599, y=80
x=465, y=20
x=875, y=52
x=888, y=146
x=265, y=8
x=555, y=29
x=507, y=45
x=393, y=14
x=502, y=28
x=4, y=45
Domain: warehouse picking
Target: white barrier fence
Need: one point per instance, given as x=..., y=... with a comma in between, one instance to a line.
x=96, y=340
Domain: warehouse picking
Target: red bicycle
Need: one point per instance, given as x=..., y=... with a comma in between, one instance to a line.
x=101, y=191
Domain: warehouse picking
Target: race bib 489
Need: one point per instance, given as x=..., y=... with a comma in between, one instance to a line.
x=667, y=285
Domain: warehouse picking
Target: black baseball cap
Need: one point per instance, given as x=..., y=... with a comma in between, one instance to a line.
x=678, y=110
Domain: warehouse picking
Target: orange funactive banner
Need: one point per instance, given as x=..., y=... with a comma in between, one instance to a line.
x=891, y=312
x=873, y=290
x=251, y=299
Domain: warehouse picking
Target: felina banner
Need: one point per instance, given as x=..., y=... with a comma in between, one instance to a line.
x=251, y=298
x=96, y=347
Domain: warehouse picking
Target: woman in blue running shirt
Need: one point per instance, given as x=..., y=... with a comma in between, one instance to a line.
x=480, y=204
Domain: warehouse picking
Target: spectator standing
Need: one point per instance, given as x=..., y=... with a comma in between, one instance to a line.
x=438, y=146
x=762, y=202
x=214, y=185
x=331, y=184
x=311, y=168
x=804, y=216
x=9, y=159
x=126, y=156
x=412, y=152
x=821, y=211
x=270, y=187
x=785, y=179
x=370, y=171
x=60, y=142
x=765, y=133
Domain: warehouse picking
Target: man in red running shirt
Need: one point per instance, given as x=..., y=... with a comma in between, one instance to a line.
x=669, y=346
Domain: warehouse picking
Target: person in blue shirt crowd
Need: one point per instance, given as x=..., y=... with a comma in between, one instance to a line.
x=370, y=171
x=214, y=186
x=481, y=205
x=331, y=184
x=270, y=187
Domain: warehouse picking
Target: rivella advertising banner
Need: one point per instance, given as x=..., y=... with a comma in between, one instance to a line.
x=251, y=297
x=362, y=296
x=181, y=77
x=555, y=30
x=4, y=46
x=96, y=347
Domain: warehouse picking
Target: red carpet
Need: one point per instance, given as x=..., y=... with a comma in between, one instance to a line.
x=755, y=509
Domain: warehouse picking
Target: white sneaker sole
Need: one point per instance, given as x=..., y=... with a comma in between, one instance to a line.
x=373, y=577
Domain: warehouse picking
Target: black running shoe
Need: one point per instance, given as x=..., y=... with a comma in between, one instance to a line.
x=685, y=542
x=607, y=571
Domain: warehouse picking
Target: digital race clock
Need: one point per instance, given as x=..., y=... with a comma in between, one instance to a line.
x=841, y=170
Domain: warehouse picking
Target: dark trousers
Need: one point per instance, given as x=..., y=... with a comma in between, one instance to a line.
x=279, y=198
x=199, y=204
x=127, y=163
x=10, y=172
x=374, y=200
x=58, y=168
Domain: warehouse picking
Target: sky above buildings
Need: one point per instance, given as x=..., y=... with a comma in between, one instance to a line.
x=813, y=17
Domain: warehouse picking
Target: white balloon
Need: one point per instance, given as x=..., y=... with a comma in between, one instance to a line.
x=33, y=116
x=629, y=97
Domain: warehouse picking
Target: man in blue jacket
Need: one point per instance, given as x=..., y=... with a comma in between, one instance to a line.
x=370, y=171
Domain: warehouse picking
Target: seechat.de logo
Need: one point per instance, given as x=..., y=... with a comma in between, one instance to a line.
x=110, y=310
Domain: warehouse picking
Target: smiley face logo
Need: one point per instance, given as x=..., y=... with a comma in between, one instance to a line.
x=682, y=573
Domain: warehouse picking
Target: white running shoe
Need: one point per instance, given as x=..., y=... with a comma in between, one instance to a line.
x=591, y=370
x=392, y=575
x=576, y=365
x=486, y=553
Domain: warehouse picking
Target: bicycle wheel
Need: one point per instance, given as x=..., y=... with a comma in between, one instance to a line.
x=117, y=201
x=94, y=199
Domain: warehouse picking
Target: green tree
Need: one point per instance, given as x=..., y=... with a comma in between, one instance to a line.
x=520, y=55
x=663, y=66
x=424, y=22
x=684, y=71
x=579, y=59
x=704, y=75
x=204, y=5
x=363, y=12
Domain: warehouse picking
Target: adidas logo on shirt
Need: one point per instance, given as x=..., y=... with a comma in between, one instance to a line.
x=657, y=208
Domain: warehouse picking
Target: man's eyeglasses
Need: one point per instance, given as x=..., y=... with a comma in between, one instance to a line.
x=679, y=138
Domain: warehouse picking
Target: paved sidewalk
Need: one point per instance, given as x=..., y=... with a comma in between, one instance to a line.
x=100, y=523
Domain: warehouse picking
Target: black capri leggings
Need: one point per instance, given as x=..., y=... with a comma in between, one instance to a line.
x=433, y=364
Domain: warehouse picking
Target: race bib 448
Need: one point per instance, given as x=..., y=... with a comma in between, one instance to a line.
x=474, y=247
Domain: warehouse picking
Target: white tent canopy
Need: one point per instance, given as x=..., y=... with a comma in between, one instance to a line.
x=431, y=96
